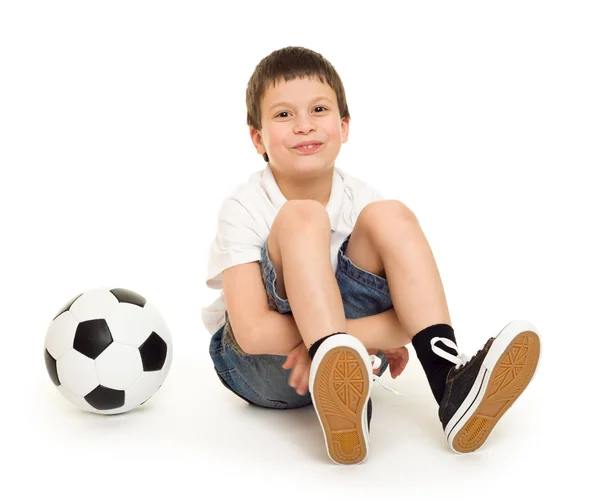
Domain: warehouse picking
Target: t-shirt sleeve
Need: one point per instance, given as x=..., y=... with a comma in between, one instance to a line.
x=237, y=241
x=365, y=195
x=375, y=195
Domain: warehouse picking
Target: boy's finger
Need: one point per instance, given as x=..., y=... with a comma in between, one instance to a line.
x=305, y=377
x=300, y=371
x=289, y=362
x=295, y=376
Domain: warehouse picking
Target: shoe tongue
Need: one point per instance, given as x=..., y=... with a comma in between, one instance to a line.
x=484, y=349
x=453, y=370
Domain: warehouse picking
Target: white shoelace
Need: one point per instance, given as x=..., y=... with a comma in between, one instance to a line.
x=376, y=361
x=459, y=360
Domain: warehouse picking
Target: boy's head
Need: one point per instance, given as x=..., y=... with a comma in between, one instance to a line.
x=296, y=95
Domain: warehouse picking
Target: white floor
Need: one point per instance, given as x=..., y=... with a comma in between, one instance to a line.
x=194, y=437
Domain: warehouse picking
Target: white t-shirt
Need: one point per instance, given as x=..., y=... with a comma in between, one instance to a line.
x=245, y=220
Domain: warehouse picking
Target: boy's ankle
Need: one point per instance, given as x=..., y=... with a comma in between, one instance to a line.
x=315, y=346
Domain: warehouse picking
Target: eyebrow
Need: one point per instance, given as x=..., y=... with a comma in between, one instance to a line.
x=282, y=103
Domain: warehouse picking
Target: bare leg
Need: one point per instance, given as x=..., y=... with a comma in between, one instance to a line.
x=299, y=247
x=388, y=241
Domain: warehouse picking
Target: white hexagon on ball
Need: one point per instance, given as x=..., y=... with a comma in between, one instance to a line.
x=77, y=373
x=76, y=399
x=167, y=367
x=94, y=304
x=129, y=324
x=119, y=366
x=60, y=334
x=144, y=388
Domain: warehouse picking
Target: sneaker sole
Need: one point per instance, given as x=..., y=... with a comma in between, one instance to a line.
x=340, y=394
x=507, y=370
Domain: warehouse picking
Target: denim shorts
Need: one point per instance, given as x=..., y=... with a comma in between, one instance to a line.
x=260, y=379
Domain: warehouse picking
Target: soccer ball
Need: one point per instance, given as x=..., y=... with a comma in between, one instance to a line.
x=108, y=350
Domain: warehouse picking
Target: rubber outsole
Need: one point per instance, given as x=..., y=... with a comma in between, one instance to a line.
x=506, y=382
x=341, y=390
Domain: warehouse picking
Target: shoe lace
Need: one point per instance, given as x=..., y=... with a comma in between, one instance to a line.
x=459, y=360
x=376, y=361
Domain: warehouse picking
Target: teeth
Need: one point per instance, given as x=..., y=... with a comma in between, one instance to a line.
x=310, y=146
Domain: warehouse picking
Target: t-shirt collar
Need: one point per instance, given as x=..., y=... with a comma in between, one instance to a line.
x=334, y=205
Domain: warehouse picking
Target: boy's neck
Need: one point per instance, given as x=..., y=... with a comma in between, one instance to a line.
x=315, y=188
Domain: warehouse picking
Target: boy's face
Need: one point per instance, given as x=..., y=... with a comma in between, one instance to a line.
x=294, y=112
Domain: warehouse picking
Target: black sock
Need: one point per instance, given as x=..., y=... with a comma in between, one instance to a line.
x=315, y=346
x=436, y=368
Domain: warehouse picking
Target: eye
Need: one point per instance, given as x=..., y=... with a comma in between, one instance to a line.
x=279, y=115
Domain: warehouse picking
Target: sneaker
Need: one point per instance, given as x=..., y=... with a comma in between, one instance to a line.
x=340, y=382
x=480, y=390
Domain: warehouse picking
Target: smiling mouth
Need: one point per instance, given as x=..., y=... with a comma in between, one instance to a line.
x=308, y=149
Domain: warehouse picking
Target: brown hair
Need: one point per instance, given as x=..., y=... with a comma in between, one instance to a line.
x=287, y=64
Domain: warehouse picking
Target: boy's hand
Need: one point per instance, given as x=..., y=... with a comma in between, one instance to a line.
x=299, y=360
x=397, y=359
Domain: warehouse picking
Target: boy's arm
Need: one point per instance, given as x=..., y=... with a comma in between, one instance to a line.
x=259, y=330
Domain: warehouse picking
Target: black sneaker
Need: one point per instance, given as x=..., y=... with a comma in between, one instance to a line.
x=480, y=390
x=340, y=382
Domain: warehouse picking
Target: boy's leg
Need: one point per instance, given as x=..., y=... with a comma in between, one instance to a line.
x=341, y=370
x=299, y=248
x=387, y=240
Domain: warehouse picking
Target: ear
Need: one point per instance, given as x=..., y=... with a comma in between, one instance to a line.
x=345, y=129
x=257, y=140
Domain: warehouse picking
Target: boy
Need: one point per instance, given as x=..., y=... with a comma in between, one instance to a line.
x=319, y=273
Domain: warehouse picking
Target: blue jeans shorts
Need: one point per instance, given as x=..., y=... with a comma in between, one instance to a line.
x=260, y=379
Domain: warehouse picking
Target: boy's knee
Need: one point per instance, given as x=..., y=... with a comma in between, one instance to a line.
x=298, y=214
x=380, y=215
x=387, y=209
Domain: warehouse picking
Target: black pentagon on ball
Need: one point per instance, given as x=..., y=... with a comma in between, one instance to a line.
x=104, y=399
x=153, y=352
x=67, y=306
x=127, y=296
x=51, y=366
x=92, y=337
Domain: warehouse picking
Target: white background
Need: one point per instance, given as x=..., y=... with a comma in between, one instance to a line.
x=122, y=126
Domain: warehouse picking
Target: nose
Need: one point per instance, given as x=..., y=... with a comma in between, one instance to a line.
x=304, y=124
